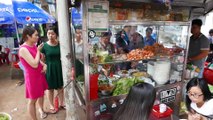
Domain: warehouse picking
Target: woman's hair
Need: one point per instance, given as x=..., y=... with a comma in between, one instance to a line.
x=28, y=31
x=138, y=104
x=53, y=28
x=201, y=83
x=210, y=31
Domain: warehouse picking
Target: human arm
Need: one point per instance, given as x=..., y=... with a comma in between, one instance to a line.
x=194, y=116
x=44, y=67
x=204, y=50
x=202, y=55
x=43, y=53
x=42, y=61
x=25, y=54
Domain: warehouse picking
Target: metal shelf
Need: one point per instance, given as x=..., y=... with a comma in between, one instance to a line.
x=160, y=23
x=150, y=59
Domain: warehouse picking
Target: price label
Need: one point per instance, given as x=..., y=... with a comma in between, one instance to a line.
x=167, y=96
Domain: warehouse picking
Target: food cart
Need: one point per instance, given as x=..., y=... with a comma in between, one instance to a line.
x=161, y=64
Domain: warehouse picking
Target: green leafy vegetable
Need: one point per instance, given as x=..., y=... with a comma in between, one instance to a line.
x=80, y=78
x=4, y=117
x=108, y=58
x=124, y=84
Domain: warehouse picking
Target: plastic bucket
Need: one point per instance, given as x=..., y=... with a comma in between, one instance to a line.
x=208, y=75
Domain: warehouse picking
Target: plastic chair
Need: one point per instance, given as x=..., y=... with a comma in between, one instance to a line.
x=14, y=56
x=1, y=60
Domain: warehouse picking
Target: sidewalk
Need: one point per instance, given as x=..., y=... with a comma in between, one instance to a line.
x=13, y=101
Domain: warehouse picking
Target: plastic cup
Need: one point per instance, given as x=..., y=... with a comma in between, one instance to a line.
x=162, y=108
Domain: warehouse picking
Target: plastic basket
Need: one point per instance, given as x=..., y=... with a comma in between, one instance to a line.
x=156, y=112
x=208, y=75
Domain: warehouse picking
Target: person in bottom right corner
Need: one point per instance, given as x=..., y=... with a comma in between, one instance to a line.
x=199, y=100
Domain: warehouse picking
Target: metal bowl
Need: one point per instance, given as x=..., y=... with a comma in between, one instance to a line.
x=106, y=92
x=106, y=89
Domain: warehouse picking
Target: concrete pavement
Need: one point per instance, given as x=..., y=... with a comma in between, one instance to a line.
x=13, y=101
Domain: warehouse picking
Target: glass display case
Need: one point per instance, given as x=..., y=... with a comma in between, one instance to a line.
x=109, y=72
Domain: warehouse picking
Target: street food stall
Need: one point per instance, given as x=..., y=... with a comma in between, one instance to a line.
x=109, y=74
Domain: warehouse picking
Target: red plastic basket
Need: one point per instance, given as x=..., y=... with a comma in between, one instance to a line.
x=156, y=112
x=208, y=75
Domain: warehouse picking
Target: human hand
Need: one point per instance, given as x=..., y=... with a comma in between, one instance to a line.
x=196, y=116
x=44, y=68
x=104, y=71
x=189, y=60
x=40, y=47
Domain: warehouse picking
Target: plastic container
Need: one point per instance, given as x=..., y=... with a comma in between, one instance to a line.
x=208, y=75
x=94, y=86
x=156, y=111
x=162, y=71
x=150, y=68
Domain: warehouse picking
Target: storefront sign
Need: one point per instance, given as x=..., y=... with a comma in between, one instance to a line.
x=98, y=16
x=167, y=96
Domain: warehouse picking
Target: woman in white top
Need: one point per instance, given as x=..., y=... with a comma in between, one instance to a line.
x=78, y=44
x=79, y=52
x=199, y=100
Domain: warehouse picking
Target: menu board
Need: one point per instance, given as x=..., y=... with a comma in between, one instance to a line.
x=98, y=16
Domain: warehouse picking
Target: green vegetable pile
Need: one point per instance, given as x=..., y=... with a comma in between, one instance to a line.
x=124, y=84
x=189, y=67
x=108, y=58
x=80, y=78
x=4, y=117
x=103, y=82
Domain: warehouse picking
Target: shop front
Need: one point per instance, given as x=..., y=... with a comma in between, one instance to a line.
x=110, y=71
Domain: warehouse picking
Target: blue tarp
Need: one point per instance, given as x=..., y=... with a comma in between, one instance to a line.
x=77, y=16
x=23, y=13
x=6, y=16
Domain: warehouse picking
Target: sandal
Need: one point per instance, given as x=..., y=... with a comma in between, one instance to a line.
x=20, y=83
x=43, y=115
x=53, y=111
x=63, y=107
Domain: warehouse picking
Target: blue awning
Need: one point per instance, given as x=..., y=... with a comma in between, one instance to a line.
x=23, y=13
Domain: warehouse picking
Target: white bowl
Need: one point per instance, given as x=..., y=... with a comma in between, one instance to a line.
x=6, y=114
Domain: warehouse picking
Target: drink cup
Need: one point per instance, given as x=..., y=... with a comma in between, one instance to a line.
x=162, y=108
